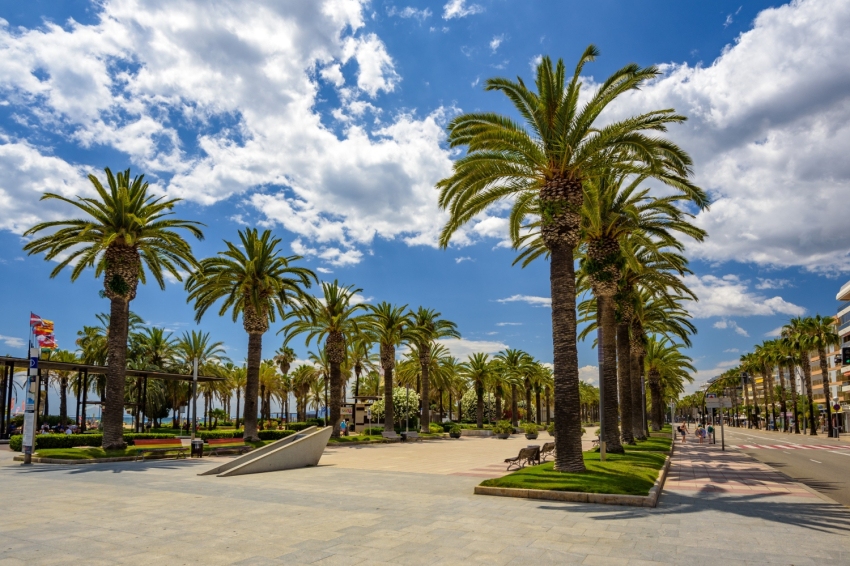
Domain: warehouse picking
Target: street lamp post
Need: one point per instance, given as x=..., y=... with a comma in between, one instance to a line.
x=407, y=410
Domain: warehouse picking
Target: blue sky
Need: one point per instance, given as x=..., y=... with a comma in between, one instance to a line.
x=325, y=122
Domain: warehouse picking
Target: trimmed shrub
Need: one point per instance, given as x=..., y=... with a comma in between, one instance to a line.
x=299, y=426
x=274, y=434
x=503, y=427
x=455, y=429
x=374, y=431
x=208, y=434
x=44, y=441
x=434, y=428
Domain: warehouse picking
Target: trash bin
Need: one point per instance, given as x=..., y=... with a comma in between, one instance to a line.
x=197, y=448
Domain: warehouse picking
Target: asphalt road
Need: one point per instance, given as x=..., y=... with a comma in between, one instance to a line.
x=825, y=470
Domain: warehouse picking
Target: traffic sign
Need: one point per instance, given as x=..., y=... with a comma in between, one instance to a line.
x=719, y=403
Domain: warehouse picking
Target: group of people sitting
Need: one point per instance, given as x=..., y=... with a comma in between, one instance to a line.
x=59, y=429
x=702, y=433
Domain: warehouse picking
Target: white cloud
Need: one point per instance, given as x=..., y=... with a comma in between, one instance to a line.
x=768, y=128
x=461, y=347
x=589, y=374
x=774, y=333
x=410, y=12
x=12, y=341
x=703, y=375
x=730, y=324
x=462, y=259
x=731, y=350
x=324, y=270
x=531, y=300
x=508, y=324
x=496, y=42
x=476, y=81
x=536, y=60
x=772, y=283
x=729, y=296
x=156, y=80
x=459, y=9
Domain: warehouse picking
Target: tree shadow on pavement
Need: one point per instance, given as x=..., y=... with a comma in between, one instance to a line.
x=114, y=467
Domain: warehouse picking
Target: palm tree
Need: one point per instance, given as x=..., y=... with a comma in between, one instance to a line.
x=361, y=358
x=764, y=361
x=62, y=377
x=257, y=282
x=513, y=363
x=797, y=337
x=197, y=346
x=123, y=230
x=430, y=327
x=284, y=358
x=477, y=370
x=390, y=327
x=822, y=335
x=302, y=378
x=544, y=167
x=335, y=320
x=665, y=363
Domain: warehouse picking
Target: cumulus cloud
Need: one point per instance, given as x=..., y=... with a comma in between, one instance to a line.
x=463, y=259
x=530, y=299
x=589, y=374
x=508, y=324
x=460, y=9
x=769, y=121
x=214, y=100
x=730, y=296
x=774, y=333
x=12, y=341
x=772, y=283
x=732, y=325
x=461, y=347
x=731, y=350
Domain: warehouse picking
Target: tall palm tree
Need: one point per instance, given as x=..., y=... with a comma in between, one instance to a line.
x=197, y=345
x=61, y=377
x=122, y=231
x=430, y=328
x=764, y=359
x=336, y=320
x=665, y=363
x=477, y=370
x=302, y=378
x=390, y=327
x=822, y=336
x=284, y=358
x=361, y=358
x=544, y=165
x=257, y=282
x=157, y=348
x=514, y=364
x=798, y=338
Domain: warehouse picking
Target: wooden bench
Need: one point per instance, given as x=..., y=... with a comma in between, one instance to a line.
x=390, y=435
x=164, y=445
x=547, y=451
x=218, y=445
x=525, y=457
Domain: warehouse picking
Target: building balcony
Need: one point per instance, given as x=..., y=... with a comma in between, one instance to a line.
x=844, y=293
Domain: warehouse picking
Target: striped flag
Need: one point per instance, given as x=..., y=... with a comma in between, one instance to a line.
x=34, y=319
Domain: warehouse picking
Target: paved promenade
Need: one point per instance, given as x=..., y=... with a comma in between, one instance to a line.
x=163, y=512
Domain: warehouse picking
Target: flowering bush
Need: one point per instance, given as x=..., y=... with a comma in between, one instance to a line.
x=405, y=405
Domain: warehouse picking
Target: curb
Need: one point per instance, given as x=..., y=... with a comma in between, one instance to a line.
x=39, y=460
x=650, y=500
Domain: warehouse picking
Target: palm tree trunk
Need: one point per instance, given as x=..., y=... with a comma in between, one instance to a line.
x=783, y=405
x=387, y=353
x=238, y=401
x=638, y=426
x=528, y=413
x=336, y=397
x=606, y=331
x=792, y=380
x=514, y=405
x=459, y=409
x=63, y=400
x=252, y=384
x=539, y=407
x=479, y=405
x=450, y=404
x=624, y=382
x=548, y=408
x=747, y=404
x=113, y=404
x=755, y=402
x=824, y=371
x=657, y=406
x=562, y=281
x=441, y=404
x=807, y=376
x=498, y=405
x=771, y=384
x=425, y=363
x=764, y=387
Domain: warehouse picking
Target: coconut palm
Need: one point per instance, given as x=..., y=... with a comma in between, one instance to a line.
x=543, y=166
x=302, y=378
x=390, y=327
x=253, y=280
x=513, y=364
x=336, y=320
x=361, y=358
x=122, y=231
x=430, y=327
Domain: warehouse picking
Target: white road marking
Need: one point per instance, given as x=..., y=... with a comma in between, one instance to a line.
x=815, y=461
x=786, y=452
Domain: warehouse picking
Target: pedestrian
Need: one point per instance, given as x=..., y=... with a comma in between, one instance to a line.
x=342, y=427
x=682, y=432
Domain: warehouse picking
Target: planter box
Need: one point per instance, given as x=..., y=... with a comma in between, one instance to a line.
x=476, y=432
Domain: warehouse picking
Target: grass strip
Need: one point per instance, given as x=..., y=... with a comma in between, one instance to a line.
x=632, y=473
x=84, y=453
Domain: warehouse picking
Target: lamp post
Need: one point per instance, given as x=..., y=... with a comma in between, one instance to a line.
x=407, y=410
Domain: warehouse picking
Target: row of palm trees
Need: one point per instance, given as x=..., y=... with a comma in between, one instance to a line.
x=578, y=191
x=799, y=340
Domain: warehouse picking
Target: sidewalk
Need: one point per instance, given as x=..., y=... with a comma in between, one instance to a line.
x=705, y=468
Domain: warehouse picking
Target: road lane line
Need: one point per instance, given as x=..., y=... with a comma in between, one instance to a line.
x=815, y=461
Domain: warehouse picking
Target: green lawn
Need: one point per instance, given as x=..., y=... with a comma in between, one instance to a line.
x=84, y=453
x=632, y=473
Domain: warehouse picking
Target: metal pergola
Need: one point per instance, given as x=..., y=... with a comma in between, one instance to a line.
x=83, y=371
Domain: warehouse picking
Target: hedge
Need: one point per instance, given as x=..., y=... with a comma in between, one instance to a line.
x=72, y=440
x=274, y=434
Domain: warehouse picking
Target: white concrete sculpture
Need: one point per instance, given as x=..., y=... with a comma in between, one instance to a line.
x=297, y=451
